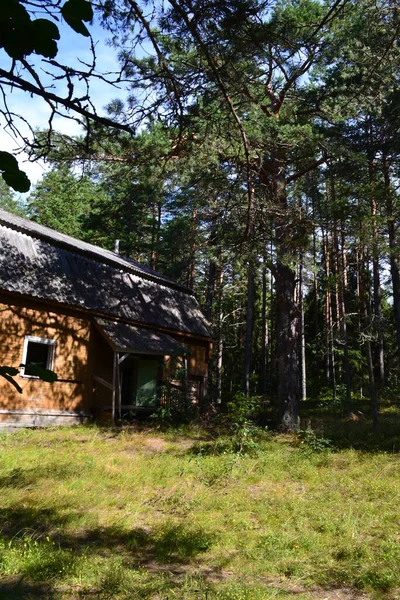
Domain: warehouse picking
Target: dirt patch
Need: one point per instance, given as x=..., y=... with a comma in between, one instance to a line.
x=154, y=444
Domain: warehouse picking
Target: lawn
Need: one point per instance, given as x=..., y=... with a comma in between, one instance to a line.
x=87, y=512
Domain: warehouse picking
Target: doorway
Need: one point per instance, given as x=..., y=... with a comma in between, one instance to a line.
x=139, y=382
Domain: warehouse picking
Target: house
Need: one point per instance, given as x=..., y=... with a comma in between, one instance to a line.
x=108, y=326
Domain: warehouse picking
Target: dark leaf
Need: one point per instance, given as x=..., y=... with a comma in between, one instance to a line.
x=8, y=162
x=15, y=30
x=80, y=9
x=43, y=374
x=4, y=370
x=75, y=12
x=45, y=33
x=18, y=180
x=7, y=373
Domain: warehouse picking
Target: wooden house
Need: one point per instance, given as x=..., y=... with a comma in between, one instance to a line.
x=107, y=325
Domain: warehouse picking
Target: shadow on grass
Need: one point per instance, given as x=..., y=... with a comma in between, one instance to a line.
x=355, y=431
x=35, y=550
x=19, y=589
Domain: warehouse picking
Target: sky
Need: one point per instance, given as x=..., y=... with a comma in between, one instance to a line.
x=72, y=47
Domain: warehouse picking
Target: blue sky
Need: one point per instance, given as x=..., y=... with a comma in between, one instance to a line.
x=72, y=47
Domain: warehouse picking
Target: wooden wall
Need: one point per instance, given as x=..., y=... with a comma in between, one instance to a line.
x=80, y=353
x=72, y=391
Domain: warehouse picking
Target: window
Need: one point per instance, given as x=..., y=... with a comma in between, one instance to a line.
x=39, y=351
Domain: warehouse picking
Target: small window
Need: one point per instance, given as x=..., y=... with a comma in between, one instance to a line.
x=39, y=351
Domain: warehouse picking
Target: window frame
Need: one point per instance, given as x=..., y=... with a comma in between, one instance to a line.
x=50, y=357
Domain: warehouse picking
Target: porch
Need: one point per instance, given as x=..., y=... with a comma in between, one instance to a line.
x=138, y=357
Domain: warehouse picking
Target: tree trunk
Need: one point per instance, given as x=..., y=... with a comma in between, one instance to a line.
x=220, y=346
x=343, y=318
x=249, y=329
x=193, y=250
x=287, y=320
x=376, y=274
x=341, y=281
x=212, y=270
x=394, y=262
x=368, y=346
x=153, y=236
x=264, y=336
x=302, y=335
x=289, y=369
x=316, y=295
x=330, y=367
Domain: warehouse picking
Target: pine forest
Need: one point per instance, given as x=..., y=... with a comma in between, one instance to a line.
x=255, y=158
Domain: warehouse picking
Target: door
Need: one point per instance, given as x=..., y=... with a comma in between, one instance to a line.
x=147, y=379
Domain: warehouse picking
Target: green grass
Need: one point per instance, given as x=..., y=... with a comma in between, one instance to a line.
x=87, y=512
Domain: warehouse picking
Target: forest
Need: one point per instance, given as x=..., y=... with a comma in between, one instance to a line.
x=255, y=159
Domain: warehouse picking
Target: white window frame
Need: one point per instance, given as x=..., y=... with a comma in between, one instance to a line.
x=50, y=356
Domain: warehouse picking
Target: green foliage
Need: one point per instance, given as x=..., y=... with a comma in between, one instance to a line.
x=39, y=557
x=21, y=36
x=63, y=200
x=311, y=442
x=241, y=435
x=9, y=201
x=246, y=102
x=176, y=405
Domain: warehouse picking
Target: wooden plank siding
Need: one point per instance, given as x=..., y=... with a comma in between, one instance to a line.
x=80, y=354
x=72, y=391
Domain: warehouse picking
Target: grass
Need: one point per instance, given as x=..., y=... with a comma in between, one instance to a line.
x=87, y=512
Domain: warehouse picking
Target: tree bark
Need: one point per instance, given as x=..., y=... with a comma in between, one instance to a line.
x=302, y=336
x=249, y=329
x=368, y=346
x=376, y=273
x=220, y=346
x=341, y=281
x=287, y=319
x=330, y=367
x=394, y=261
x=264, y=336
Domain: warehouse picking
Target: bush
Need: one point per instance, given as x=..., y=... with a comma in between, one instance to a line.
x=310, y=442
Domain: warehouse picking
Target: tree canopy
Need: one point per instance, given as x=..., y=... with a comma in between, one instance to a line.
x=255, y=158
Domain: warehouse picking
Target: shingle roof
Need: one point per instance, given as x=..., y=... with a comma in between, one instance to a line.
x=128, y=338
x=40, y=262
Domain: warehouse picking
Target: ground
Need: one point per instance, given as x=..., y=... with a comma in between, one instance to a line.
x=90, y=512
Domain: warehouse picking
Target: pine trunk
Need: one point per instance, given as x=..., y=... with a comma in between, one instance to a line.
x=264, y=336
x=220, y=345
x=376, y=275
x=394, y=261
x=249, y=329
x=368, y=346
x=302, y=336
x=287, y=321
x=330, y=367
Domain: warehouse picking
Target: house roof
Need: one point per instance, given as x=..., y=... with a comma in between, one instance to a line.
x=40, y=262
x=123, y=337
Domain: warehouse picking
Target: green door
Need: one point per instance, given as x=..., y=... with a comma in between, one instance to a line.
x=147, y=375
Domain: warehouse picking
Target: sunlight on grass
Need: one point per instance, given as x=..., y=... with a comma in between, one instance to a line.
x=91, y=511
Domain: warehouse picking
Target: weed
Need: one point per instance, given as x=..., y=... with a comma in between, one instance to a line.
x=38, y=558
x=310, y=442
